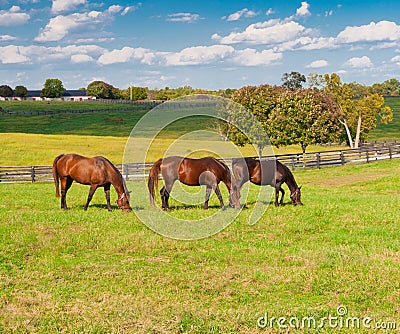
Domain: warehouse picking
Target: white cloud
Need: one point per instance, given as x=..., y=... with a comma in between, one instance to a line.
x=317, y=64
x=60, y=26
x=269, y=12
x=183, y=17
x=129, y=9
x=5, y=38
x=241, y=13
x=11, y=54
x=396, y=59
x=199, y=55
x=81, y=58
x=251, y=57
x=13, y=17
x=66, y=5
x=127, y=54
x=381, y=31
x=359, y=62
x=40, y=54
x=303, y=10
x=269, y=32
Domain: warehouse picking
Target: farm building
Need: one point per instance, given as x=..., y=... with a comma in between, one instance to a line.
x=69, y=95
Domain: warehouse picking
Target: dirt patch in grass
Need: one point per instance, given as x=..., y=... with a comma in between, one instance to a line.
x=342, y=180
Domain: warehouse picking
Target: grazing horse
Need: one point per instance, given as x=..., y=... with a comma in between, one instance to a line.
x=96, y=172
x=266, y=172
x=206, y=171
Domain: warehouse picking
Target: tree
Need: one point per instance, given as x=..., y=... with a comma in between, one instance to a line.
x=260, y=101
x=293, y=80
x=357, y=115
x=21, y=91
x=52, y=88
x=135, y=93
x=6, y=91
x=102, y=90
x=303, y=117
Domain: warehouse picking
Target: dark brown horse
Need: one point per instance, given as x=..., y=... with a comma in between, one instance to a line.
x=96, y=172
x=206, y=171
x=267, y=172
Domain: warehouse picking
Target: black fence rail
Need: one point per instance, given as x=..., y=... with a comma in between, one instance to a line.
x=134, y=171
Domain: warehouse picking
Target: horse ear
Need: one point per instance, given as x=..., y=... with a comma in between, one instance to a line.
x=300, y=187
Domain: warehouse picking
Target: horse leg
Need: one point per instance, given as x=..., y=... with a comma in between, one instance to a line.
x=93, y=188
x=277, y=189
x=283, y=194
x=164, y=192
x=107, y=192
x=208, y=193
x=218, y=192
x=66, y=183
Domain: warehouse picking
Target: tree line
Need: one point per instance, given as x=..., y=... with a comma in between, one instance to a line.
x=328, y=111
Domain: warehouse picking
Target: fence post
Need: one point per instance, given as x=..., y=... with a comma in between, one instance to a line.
x=367, y=155
x=390, y=151
x=342, y=157
x=292, y=163
x=33, y=174
x=126, y=171
x=318, y=160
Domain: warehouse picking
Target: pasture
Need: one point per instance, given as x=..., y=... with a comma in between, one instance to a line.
x=106, y=272
x=101, y=272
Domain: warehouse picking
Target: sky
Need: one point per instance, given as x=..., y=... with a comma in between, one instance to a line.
x=206, y=44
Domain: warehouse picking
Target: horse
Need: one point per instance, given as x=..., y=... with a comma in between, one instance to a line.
x=96, y=172
x=266, y=172
x=206, y=171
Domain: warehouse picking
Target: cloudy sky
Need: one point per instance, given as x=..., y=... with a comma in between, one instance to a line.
x=207, y=44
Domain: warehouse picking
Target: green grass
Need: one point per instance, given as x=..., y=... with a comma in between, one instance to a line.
x=101, y=272
x=47, y=106
x=391, y=130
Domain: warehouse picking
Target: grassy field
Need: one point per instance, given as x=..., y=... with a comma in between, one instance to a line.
x=101, y=272
x=391, y=130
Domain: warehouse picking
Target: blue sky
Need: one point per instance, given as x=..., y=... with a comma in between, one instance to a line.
x=204, y=44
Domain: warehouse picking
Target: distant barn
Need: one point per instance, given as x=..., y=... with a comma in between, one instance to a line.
x=69, y=95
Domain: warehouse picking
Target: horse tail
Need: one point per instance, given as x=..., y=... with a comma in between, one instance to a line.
x=55, y=174
x=153, y=179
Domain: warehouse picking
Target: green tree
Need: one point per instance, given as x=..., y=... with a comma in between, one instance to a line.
x=293, y=80
x=52, y=88
x=260, y=101
x=21, y=91
x=137, y=93
x=357, y=115
x=6, y=91
x=102, y=90
x=303, y=117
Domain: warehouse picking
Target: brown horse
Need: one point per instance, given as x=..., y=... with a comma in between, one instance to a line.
x=206, y=171
x=267, y=172
x=96, y=172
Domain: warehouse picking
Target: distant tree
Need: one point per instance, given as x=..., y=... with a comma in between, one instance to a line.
x=52, y=88
x=315, y=80
x=21, y=91
x=102, y=90
x=138, y=93
x=6, y=91
x=293, y=80
x=303, y=117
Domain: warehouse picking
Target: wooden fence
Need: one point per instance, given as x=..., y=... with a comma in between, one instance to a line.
x=367, y=153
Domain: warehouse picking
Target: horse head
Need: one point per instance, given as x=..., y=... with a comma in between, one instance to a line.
x=295, y=196
x=123, y=202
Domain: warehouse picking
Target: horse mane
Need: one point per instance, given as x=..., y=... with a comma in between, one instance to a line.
x=290, y=181
x=118, y=173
